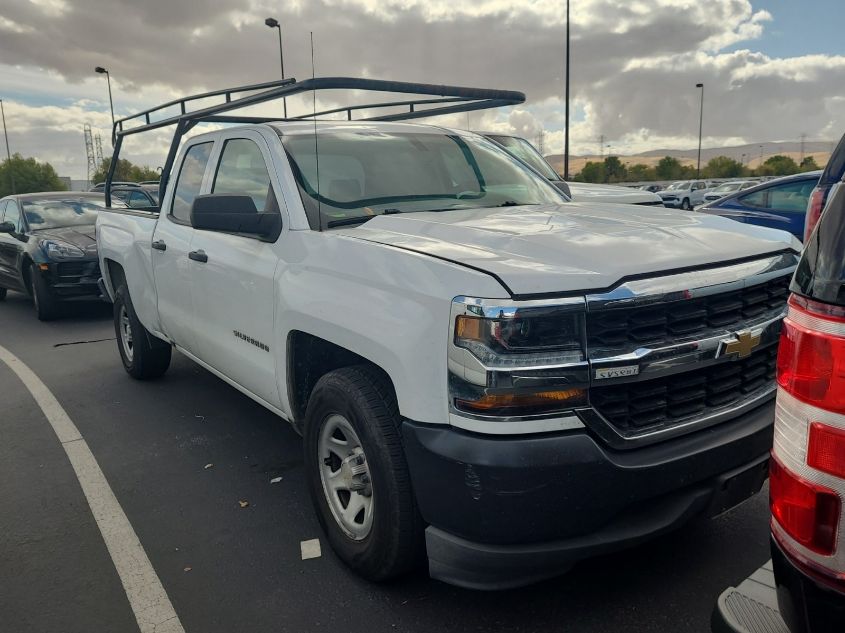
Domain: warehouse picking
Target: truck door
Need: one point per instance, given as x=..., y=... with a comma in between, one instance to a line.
x=234, y=288
x=171, y=248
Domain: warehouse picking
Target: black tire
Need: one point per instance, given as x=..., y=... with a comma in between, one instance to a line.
x=144, y=356
x=685, y=205
x=394, y=544
x=46, y=306
x=3, y=292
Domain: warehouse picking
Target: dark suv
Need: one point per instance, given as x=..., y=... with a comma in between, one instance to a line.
x=803, y=588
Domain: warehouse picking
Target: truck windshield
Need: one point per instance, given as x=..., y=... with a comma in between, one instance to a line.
x=364, y=173
x=676, y=186
x=56, y=213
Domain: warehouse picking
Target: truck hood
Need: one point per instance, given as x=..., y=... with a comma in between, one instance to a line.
x=573, y=247
x=588, y=192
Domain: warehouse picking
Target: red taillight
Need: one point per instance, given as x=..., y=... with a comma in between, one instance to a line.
x=814, y=211
x=807, y=512
x=811, y=358
x=826, y=449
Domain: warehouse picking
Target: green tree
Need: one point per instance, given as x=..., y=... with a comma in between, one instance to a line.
x=125, y=171
x=777, y=165
x=640, y=172
x=809, y=164
x=723, y=167
x=614, y=170
x=669, y=169
x=592, y=172
x=28, y=175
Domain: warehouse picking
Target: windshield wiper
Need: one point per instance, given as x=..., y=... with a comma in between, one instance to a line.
x=360, y=219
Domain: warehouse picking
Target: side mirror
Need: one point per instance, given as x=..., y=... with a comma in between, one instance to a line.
x=7, y=227
x=234, y=213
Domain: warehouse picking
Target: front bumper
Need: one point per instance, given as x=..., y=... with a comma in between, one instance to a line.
x=508, y=511
x=672, y=203
x=73, y=279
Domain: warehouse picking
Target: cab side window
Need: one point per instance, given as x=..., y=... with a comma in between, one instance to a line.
x=242, y=170
x=190, y=181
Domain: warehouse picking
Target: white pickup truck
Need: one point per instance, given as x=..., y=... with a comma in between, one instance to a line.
x=484, y=374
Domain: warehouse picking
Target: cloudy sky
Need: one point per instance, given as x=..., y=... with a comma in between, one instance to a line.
x=772, y=69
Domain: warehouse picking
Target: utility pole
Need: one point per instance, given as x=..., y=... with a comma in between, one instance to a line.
x=566, y=131
x=8, y=152
x=601, y=147
x=541, y=141
x=700, y=123
x=803, y=138
x=761, y=156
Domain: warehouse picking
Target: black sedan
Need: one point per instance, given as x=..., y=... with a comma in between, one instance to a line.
x=48, y=248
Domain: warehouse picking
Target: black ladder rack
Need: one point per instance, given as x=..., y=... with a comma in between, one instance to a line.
x=448, y=100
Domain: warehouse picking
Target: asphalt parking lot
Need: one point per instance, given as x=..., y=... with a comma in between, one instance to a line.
x=230, y=568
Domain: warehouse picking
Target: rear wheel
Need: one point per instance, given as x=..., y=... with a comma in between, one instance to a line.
x=46, y=306
x=357, y=473
x=144, y=356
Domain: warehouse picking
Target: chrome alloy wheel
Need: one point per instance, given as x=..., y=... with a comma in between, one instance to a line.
x=126, y=333
x=345, y=476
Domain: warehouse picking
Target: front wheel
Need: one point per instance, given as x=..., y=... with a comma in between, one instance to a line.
x=46, y=306
x=358, y=476
x=144, y=356
x=685, y=205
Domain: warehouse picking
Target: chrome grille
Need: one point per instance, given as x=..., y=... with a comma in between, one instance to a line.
x=637, y=407
x=620, y=329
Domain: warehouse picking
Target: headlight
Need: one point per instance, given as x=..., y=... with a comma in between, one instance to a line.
x=60, y=250
x=517, y=359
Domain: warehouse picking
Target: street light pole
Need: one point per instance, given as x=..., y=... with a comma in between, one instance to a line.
x=103, y=71
x=700, y=122
x=273, y=23
x=566, y=130
x=8, y=152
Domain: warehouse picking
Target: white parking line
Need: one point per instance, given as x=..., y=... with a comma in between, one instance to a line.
x=149, y=601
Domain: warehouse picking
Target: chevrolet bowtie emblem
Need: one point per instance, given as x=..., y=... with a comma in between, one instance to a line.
x=741, y=345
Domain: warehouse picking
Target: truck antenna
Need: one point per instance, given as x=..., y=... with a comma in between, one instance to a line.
x=316, y=145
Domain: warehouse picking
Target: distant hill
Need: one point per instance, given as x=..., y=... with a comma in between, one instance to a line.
x=820, y=150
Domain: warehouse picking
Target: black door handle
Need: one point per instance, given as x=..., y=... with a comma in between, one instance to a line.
x=198, y=256
x=159, y=245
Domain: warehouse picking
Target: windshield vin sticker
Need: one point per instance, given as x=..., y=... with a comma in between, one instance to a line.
x=617, y=372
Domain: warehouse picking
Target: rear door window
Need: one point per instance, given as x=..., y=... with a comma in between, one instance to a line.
x=190, y=181
x=792, y=197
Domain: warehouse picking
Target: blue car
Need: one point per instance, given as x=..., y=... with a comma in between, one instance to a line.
x=778, y=204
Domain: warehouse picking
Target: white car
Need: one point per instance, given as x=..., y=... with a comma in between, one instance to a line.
x=484, y=374
x=578, y=191
x=591, y=192
x=728, y=188
x=684, y=194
